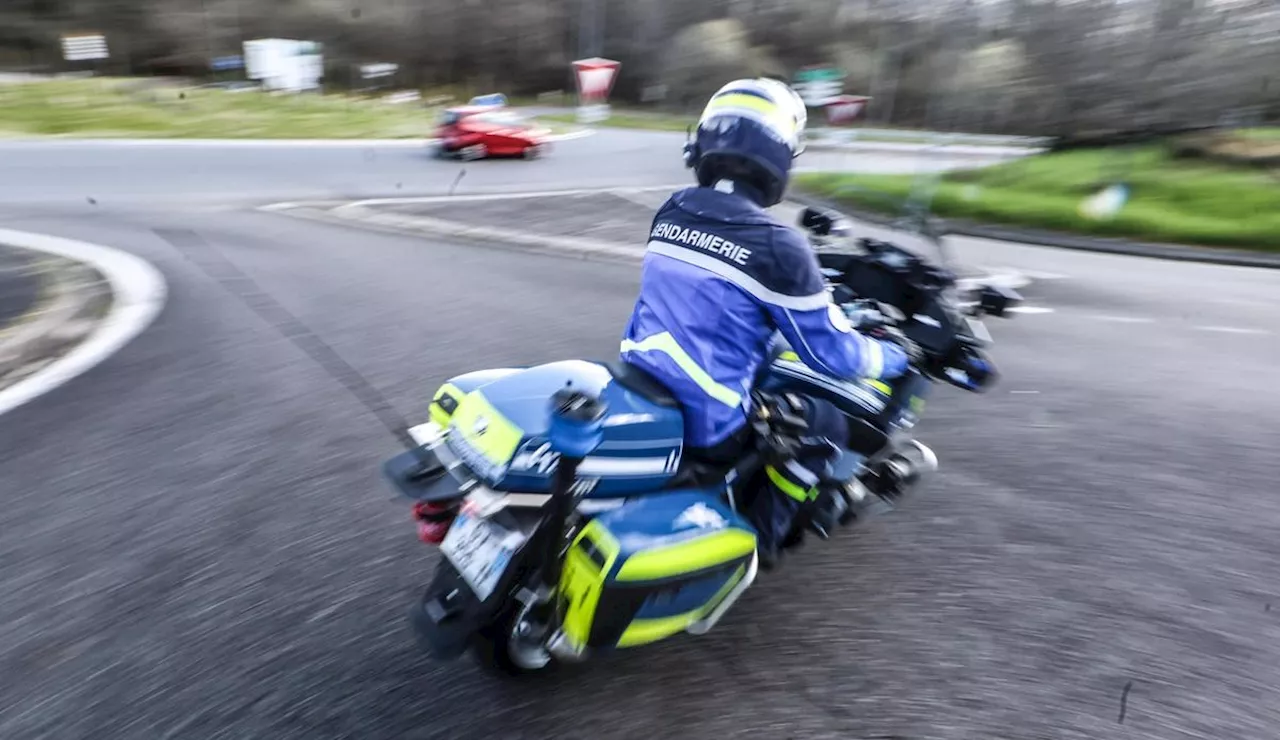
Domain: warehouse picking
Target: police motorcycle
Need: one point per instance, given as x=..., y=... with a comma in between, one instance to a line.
x=570, y=523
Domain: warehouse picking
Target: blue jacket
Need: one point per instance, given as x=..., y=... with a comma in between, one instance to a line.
x=719, y=278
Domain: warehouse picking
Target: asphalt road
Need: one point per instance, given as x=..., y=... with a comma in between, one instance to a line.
x=169, y=173
x=194, y=541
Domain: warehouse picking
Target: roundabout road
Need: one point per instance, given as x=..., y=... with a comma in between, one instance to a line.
x=172, y=172
x=196, y=544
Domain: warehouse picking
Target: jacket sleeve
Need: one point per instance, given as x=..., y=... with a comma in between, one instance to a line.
x=815, y=327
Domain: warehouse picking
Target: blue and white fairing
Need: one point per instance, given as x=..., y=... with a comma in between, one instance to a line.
x=642, y=445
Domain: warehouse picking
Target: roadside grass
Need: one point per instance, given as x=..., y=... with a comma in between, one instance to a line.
x=119, y=107
x=1269, y=133
x=644, y=120
x=1171, y=199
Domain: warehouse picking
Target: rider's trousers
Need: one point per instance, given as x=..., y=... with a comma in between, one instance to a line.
x=793, y=484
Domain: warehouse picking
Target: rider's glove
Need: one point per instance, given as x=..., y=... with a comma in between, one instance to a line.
x=893, y=335
x=864, y=315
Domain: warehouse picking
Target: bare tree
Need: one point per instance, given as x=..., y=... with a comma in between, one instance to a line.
x=1036, y=66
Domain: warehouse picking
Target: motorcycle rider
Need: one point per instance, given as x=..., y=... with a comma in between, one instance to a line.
x=721, y=279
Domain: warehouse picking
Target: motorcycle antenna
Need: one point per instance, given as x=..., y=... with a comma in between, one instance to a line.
x=235, y=281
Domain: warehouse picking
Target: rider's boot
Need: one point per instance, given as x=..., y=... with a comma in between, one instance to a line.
x=897, y=477
x=830, y=510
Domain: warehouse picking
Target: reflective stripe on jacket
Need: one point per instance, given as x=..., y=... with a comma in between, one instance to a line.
x=719, y=277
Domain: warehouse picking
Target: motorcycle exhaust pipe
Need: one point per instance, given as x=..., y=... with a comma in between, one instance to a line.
x=563, y=651
x=863, y=504
x=902, y=470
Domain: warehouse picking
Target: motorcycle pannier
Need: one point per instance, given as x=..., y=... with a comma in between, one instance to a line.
x=651, y=567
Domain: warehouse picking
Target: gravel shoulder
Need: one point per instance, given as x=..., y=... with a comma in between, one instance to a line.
x=48, y=304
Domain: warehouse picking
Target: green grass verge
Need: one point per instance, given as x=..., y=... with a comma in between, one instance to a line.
x=645, y=120
x=1260, y=134
x=106, y=107
x=1172, y=200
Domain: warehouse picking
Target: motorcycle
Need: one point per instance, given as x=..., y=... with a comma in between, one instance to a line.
x=569, y=521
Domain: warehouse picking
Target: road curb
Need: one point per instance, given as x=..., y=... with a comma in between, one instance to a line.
x=1059, y=240
x=73, y=297
x=1150, y=250
x=562, y=245
x=359, y=214
x=100, y=299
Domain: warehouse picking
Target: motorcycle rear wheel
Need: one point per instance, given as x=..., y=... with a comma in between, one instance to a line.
x=500, y=645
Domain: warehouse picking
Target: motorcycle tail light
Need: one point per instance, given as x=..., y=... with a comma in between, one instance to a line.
x=434, y=520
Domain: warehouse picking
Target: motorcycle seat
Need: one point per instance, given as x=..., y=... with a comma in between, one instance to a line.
x=641, y=383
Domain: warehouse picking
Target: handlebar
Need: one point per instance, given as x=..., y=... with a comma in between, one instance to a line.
x=965, y=365
x=884, y=285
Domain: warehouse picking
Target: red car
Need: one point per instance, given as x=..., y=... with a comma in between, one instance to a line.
x=477, y=132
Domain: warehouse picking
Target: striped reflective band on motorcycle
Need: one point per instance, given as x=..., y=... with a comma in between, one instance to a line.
x=644, y=631
x=699, y=553
x=793, y=358
x=881, y=386
x=794, y=480
x=666, y=344
x=851, y=391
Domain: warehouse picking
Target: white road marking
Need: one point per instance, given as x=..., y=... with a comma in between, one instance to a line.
x=1030, y=309
x=138, y=291
x=1122, y=319
x=1025, y=393
x=493, y=196
x=1007, y=278
x=1231, y=330
x=1010, y=279
x=286, y=206
x=1038, y=275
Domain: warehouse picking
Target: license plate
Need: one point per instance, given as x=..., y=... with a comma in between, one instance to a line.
x=481, y=551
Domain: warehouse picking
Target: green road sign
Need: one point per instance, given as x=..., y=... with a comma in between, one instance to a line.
x=820, y=74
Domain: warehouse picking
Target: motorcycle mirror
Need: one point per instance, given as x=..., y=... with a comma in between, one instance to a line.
x=995, y=300
x=817, y=222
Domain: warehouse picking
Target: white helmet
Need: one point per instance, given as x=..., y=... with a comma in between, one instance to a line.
x=751, y=128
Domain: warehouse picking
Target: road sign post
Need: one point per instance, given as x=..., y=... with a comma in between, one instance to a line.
x=594, y=78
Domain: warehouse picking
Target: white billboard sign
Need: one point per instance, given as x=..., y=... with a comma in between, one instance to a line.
x=84, y=47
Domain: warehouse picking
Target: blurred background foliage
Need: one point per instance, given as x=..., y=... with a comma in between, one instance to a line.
x=1057, y=67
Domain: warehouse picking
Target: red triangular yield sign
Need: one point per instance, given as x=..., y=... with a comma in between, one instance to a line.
x=595, y=77
x=845, y=108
